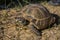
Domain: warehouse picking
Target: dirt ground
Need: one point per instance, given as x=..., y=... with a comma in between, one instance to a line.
x=12, y=30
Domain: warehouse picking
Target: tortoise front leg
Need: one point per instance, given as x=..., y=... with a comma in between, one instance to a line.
x=35, y=30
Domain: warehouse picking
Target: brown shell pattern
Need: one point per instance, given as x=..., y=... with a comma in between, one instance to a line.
x=37, y=14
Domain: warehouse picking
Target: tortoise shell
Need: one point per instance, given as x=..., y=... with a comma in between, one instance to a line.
x=37, y=15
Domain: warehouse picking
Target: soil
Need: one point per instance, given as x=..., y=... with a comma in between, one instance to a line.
x=12, y=30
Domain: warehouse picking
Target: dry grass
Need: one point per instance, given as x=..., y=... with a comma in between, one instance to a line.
x=14, y=31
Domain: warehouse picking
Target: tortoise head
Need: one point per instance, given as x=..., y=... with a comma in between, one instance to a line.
x=22, y=20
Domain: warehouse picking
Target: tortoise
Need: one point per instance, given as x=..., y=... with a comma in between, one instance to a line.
x=36, y=17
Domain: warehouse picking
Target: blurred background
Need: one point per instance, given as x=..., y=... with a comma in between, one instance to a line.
x=13, y=3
